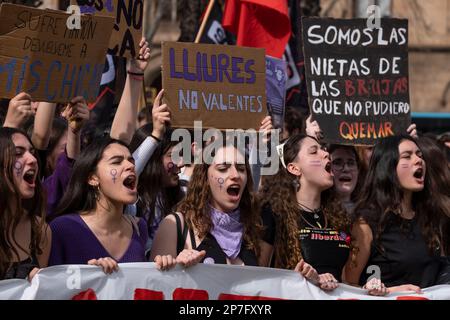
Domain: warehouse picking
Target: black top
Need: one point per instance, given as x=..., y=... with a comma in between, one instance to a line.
x=403, y=255
x=325, y=249
x=21, y=270
x=214, y=253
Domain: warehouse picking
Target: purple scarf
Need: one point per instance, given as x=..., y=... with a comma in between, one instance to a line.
x=227, y=230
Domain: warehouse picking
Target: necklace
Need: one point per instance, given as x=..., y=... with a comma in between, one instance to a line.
x=316, y=216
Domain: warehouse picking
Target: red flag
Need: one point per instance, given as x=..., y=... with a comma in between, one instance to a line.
x=259, y=23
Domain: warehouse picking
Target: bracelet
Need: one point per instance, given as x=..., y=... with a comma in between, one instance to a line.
x=135, y=73
x=157, y=139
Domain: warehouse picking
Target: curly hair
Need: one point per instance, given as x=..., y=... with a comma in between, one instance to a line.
x=13, y=209
x=279, y=192
x=382, y=195
x=195, y=207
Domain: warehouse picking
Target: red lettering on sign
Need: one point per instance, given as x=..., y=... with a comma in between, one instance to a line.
x=145, y=294
x=410, y=298
x=88, y=294
x=190, y=294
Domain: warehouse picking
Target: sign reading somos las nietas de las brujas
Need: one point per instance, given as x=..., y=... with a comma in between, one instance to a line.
x=41, y=56
x=357, y=78
x=223, y=86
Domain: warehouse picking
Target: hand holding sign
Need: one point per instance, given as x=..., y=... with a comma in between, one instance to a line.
x=19, y=110
x=160, y=115
x=139, y=64
x=313, y=128
x=76, y=113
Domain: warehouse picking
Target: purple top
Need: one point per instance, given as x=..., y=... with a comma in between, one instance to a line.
x=74, y=243
x=56, y=184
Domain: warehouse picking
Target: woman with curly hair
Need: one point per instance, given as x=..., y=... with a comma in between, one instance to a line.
x=302, y=218
x=26, y=238
x=218, y=221
x=399, y=222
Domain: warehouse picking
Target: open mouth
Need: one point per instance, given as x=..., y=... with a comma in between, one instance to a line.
x=328, y=167
x=418, y=174
x=345, y=179
x=130, y=182
x=233, y=190
x=29, y=176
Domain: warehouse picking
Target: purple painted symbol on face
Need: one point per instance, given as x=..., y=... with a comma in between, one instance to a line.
x=315, y=162
x=113, y=173
x=404, y=165
x=221, y=182
x=170, y=167
x=18, y=167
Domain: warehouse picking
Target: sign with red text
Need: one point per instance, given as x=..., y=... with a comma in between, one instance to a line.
x=128, y=15
x=222, y=86
x=357, y=78
x=142, y=281
x=41, y=56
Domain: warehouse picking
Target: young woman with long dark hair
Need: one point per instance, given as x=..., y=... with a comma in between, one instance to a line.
x=91, y=227
x=25, y=239
x=398, y=221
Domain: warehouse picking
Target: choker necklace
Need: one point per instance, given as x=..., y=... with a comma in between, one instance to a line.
x=314, y=211
x=316, y=216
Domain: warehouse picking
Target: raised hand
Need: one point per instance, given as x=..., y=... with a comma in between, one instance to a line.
x=160, y=116
x=76, y=113
x=140, y=63
x=19, y=110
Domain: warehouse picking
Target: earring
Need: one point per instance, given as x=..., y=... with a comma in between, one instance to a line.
x=296, y=184
x=96, y=191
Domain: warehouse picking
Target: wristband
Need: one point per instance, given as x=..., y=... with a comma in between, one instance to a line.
x=157, y=139
x=135, y=73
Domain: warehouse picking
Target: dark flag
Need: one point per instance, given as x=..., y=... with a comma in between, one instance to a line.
x=296, y=94
x=214, y=31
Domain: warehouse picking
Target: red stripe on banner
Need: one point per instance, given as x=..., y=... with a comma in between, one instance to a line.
x=88, y=294
x=93, y=104
x=190, y=294
x=226, y=296
x=145, y=294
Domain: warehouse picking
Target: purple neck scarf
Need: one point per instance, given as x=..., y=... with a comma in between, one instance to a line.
x=227, y=230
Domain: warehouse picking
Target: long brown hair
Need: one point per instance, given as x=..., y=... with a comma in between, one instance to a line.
x=13, y=209
x=279, y=192
x=382, y=196
x=195, y=207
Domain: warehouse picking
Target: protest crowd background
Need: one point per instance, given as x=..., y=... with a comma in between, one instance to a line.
x=350, y=170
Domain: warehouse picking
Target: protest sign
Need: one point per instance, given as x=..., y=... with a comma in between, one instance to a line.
x=223, y=86
x=276, y=90
x=128, y=15
x=41, y=56
x=357, y=78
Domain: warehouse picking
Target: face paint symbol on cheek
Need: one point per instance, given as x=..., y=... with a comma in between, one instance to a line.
x=221, y=182
x=404, y=165
x=18, y=167
x=113, y=173
x=316, y=163
x=170, y=167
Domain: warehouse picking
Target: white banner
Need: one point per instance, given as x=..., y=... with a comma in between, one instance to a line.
x=142, y=281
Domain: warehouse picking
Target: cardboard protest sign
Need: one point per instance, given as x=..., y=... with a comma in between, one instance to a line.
x=223, y=86
x=40, y=56
x=276, y=89
x=128, y=15
x=357, y=78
